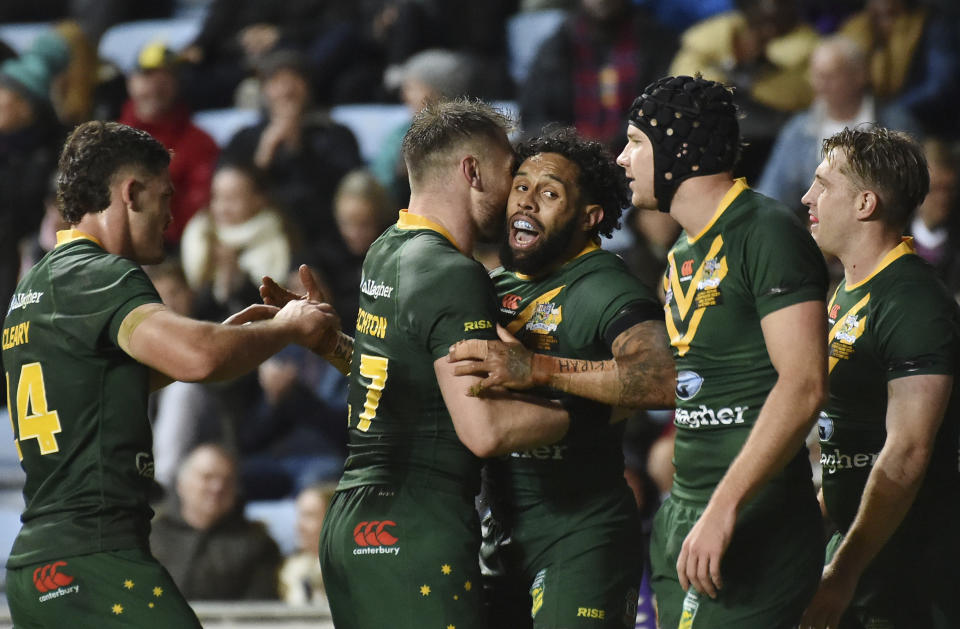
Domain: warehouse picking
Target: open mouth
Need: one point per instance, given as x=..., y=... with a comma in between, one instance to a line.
x=524, y=232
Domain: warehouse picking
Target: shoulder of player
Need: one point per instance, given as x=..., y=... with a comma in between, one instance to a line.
x=911, y=281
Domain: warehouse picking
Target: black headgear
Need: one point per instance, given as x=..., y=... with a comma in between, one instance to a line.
x=692, y=125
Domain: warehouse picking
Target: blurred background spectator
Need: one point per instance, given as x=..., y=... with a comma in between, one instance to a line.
x=913, y=58
x=201, y=536
x=228, y=248
x=761, y=48
x=155, y=105
x=301, y=582
x=302, y=151
x=936, y=226
x=842, y=98
x=588, y=73
x=427, y=75
x=30, y=139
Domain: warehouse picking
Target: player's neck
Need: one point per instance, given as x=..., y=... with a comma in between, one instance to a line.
x=697, y=199
x=449, y=212
x=865, y=251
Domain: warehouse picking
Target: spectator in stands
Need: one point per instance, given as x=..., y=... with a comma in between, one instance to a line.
x=842, y=98
x=362, y=210
x=237, y=35
x=936, y=225
x=589, y=71
x=300, y=580
x=155, y=106
x=913, y=58
x=73, y=92
x=428, y=75
x=228, y=248
x=211, y=550
x=477, y=29
x=762, y=48
x=30, y=139
x=303, y=153
x=295, y=436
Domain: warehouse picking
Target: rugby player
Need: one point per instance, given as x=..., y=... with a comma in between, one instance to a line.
x=399, y=545
x=83, y=337
x=738, y=543
x=889, y=434
x=562, y=536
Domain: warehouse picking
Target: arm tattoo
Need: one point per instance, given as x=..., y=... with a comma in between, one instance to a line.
x=572, y=365
x=647, y=372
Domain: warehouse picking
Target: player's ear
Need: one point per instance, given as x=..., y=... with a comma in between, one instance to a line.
x=470, y=170
x=867, y=205
x=592, y=215
x=130, y=189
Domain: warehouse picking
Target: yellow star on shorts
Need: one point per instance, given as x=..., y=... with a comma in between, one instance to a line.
x=451, y=627
x=468, y=586
x=128, y=584
x=158, y=591
x=445, y=568
x=425, y=590
x=117, y=609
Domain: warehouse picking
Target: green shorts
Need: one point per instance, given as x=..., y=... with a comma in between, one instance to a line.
x=566, y=566
x=403, y=557
x=120, y=588
x=770, y=570
x=912, y=582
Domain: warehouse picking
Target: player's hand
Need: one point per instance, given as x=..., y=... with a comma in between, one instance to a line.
x=831, y=600
x=256, y=312
x=276, y=295
x=703, y=550
x=504, y=363
x=316, y=324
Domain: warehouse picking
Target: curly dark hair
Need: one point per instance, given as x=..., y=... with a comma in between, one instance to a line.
x=92, y=155
x=601, y=181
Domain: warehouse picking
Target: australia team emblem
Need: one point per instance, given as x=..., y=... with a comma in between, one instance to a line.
x=545, y=318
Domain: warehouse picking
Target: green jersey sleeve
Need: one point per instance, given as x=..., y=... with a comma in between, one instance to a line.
x=917, y=333
x=784, y=264
x=132, y=289
x=449, y=297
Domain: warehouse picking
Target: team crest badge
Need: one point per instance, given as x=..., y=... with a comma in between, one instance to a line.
x=545, y=318
x=849, y=329
x=711, y=274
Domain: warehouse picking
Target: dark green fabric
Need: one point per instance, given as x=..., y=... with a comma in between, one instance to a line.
x=402, y=556
x=88, y=493
x=121, y=588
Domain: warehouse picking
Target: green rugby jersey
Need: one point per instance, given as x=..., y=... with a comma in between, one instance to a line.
x=418, y=296
x=569, y=313
x=751, y=259
x=900, y=321
x=78, y=403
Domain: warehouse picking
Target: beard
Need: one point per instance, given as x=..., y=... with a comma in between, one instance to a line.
x=545, y=254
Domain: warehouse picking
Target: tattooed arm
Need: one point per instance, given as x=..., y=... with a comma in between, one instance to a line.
x=641, y=373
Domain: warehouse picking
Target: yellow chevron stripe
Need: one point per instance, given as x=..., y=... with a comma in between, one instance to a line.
x=527, y=312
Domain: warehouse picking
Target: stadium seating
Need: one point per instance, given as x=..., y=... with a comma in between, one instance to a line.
x=20, y=35
x=221, y=124
x=122, y=42
x=370, y=123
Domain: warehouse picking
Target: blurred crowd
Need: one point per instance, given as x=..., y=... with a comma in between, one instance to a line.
x=294, y=187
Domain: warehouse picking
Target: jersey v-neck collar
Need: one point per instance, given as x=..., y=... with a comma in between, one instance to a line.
x=904, y=248
x=739, y=185
x=591, y=246
x=407, y=220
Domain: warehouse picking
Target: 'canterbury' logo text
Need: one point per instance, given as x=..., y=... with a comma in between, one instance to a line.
x=375, y=538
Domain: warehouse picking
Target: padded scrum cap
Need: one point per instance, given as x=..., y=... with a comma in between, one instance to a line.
x=692, y=125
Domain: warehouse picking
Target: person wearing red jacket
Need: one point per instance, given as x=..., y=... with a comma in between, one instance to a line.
x=155, y=107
